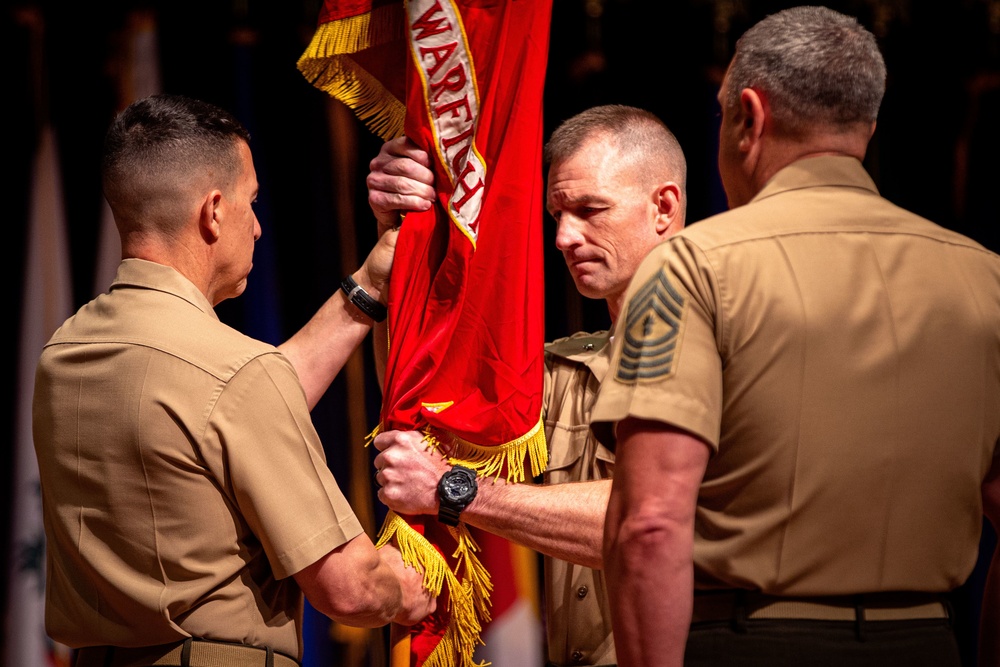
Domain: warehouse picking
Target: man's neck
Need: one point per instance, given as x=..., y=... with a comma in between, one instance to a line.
x=178, y=256
x=782, y=150
x=615, y=304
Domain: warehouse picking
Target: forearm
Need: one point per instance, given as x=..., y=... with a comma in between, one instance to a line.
x=650, y=581
x=564, y=521
x=649, y=541
x=319, y=350
x=378, y=600
x=561, y=520
x=353, y=585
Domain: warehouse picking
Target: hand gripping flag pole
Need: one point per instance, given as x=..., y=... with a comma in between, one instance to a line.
x=463, y=79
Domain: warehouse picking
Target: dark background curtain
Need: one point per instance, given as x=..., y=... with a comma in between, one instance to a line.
x=934, y=151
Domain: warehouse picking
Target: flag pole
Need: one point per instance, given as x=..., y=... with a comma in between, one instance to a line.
x=367, y=643
x=399, y=646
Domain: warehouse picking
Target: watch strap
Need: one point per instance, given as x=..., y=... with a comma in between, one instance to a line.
x=449, y=515
x=357, y=295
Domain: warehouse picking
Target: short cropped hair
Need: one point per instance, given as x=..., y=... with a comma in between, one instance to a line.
x=159, y=146
x=815, y=65
x=637, y=133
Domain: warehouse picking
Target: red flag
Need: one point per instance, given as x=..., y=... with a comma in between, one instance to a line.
x=465, y=304
x=514, y=635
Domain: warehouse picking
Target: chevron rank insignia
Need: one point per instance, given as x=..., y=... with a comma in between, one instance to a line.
x=651, y=333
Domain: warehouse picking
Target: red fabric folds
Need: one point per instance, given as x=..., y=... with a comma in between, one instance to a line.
x=466, y=321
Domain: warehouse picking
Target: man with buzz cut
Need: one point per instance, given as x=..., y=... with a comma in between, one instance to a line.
x=186, y=497
x=805, y=393
x=616, y=189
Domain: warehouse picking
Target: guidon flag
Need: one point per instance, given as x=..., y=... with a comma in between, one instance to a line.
x=464, y=80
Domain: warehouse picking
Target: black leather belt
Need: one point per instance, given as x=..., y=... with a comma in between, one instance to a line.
x=752, y=605
x=188, y=653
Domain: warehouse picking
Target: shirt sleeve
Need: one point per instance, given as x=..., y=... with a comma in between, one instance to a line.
x=665, y=365
x=275, y=467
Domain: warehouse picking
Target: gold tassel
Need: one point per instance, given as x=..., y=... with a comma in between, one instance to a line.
x=326, y=63
x=357, y=33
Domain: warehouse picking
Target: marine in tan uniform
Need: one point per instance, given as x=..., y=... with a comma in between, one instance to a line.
x=806, y=390
x=185, y=492
x=616, y=190
x=577, y=616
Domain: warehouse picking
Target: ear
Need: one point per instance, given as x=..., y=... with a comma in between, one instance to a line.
x=753, y=110
x=210, y=216
x=669, y=213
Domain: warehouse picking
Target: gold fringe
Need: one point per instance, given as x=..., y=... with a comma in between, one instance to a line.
x=326, y=63
x=468, y=600
x=416, y=551
x=475, y=572
x=491, y=460
x=356, y=33
x=469, y=585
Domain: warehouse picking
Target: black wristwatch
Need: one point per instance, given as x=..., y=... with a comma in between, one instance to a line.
x=456, y=490
x=363, y=300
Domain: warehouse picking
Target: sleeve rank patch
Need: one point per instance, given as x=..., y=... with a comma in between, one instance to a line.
x=651, y=332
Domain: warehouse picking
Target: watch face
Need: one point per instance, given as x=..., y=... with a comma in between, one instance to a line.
x=458, y=486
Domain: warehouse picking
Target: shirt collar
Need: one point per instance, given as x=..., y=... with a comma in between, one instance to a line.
x=591, y=350
x=141, y=273
x=812, y=172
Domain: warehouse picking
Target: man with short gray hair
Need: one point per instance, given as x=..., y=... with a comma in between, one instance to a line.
x=616, y=189
x=805, y=392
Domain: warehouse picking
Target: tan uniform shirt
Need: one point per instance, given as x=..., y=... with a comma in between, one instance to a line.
x=182, y=478
x=578, y=621
x=841, y=356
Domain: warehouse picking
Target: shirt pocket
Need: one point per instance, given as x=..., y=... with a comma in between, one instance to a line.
x=567, y=449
